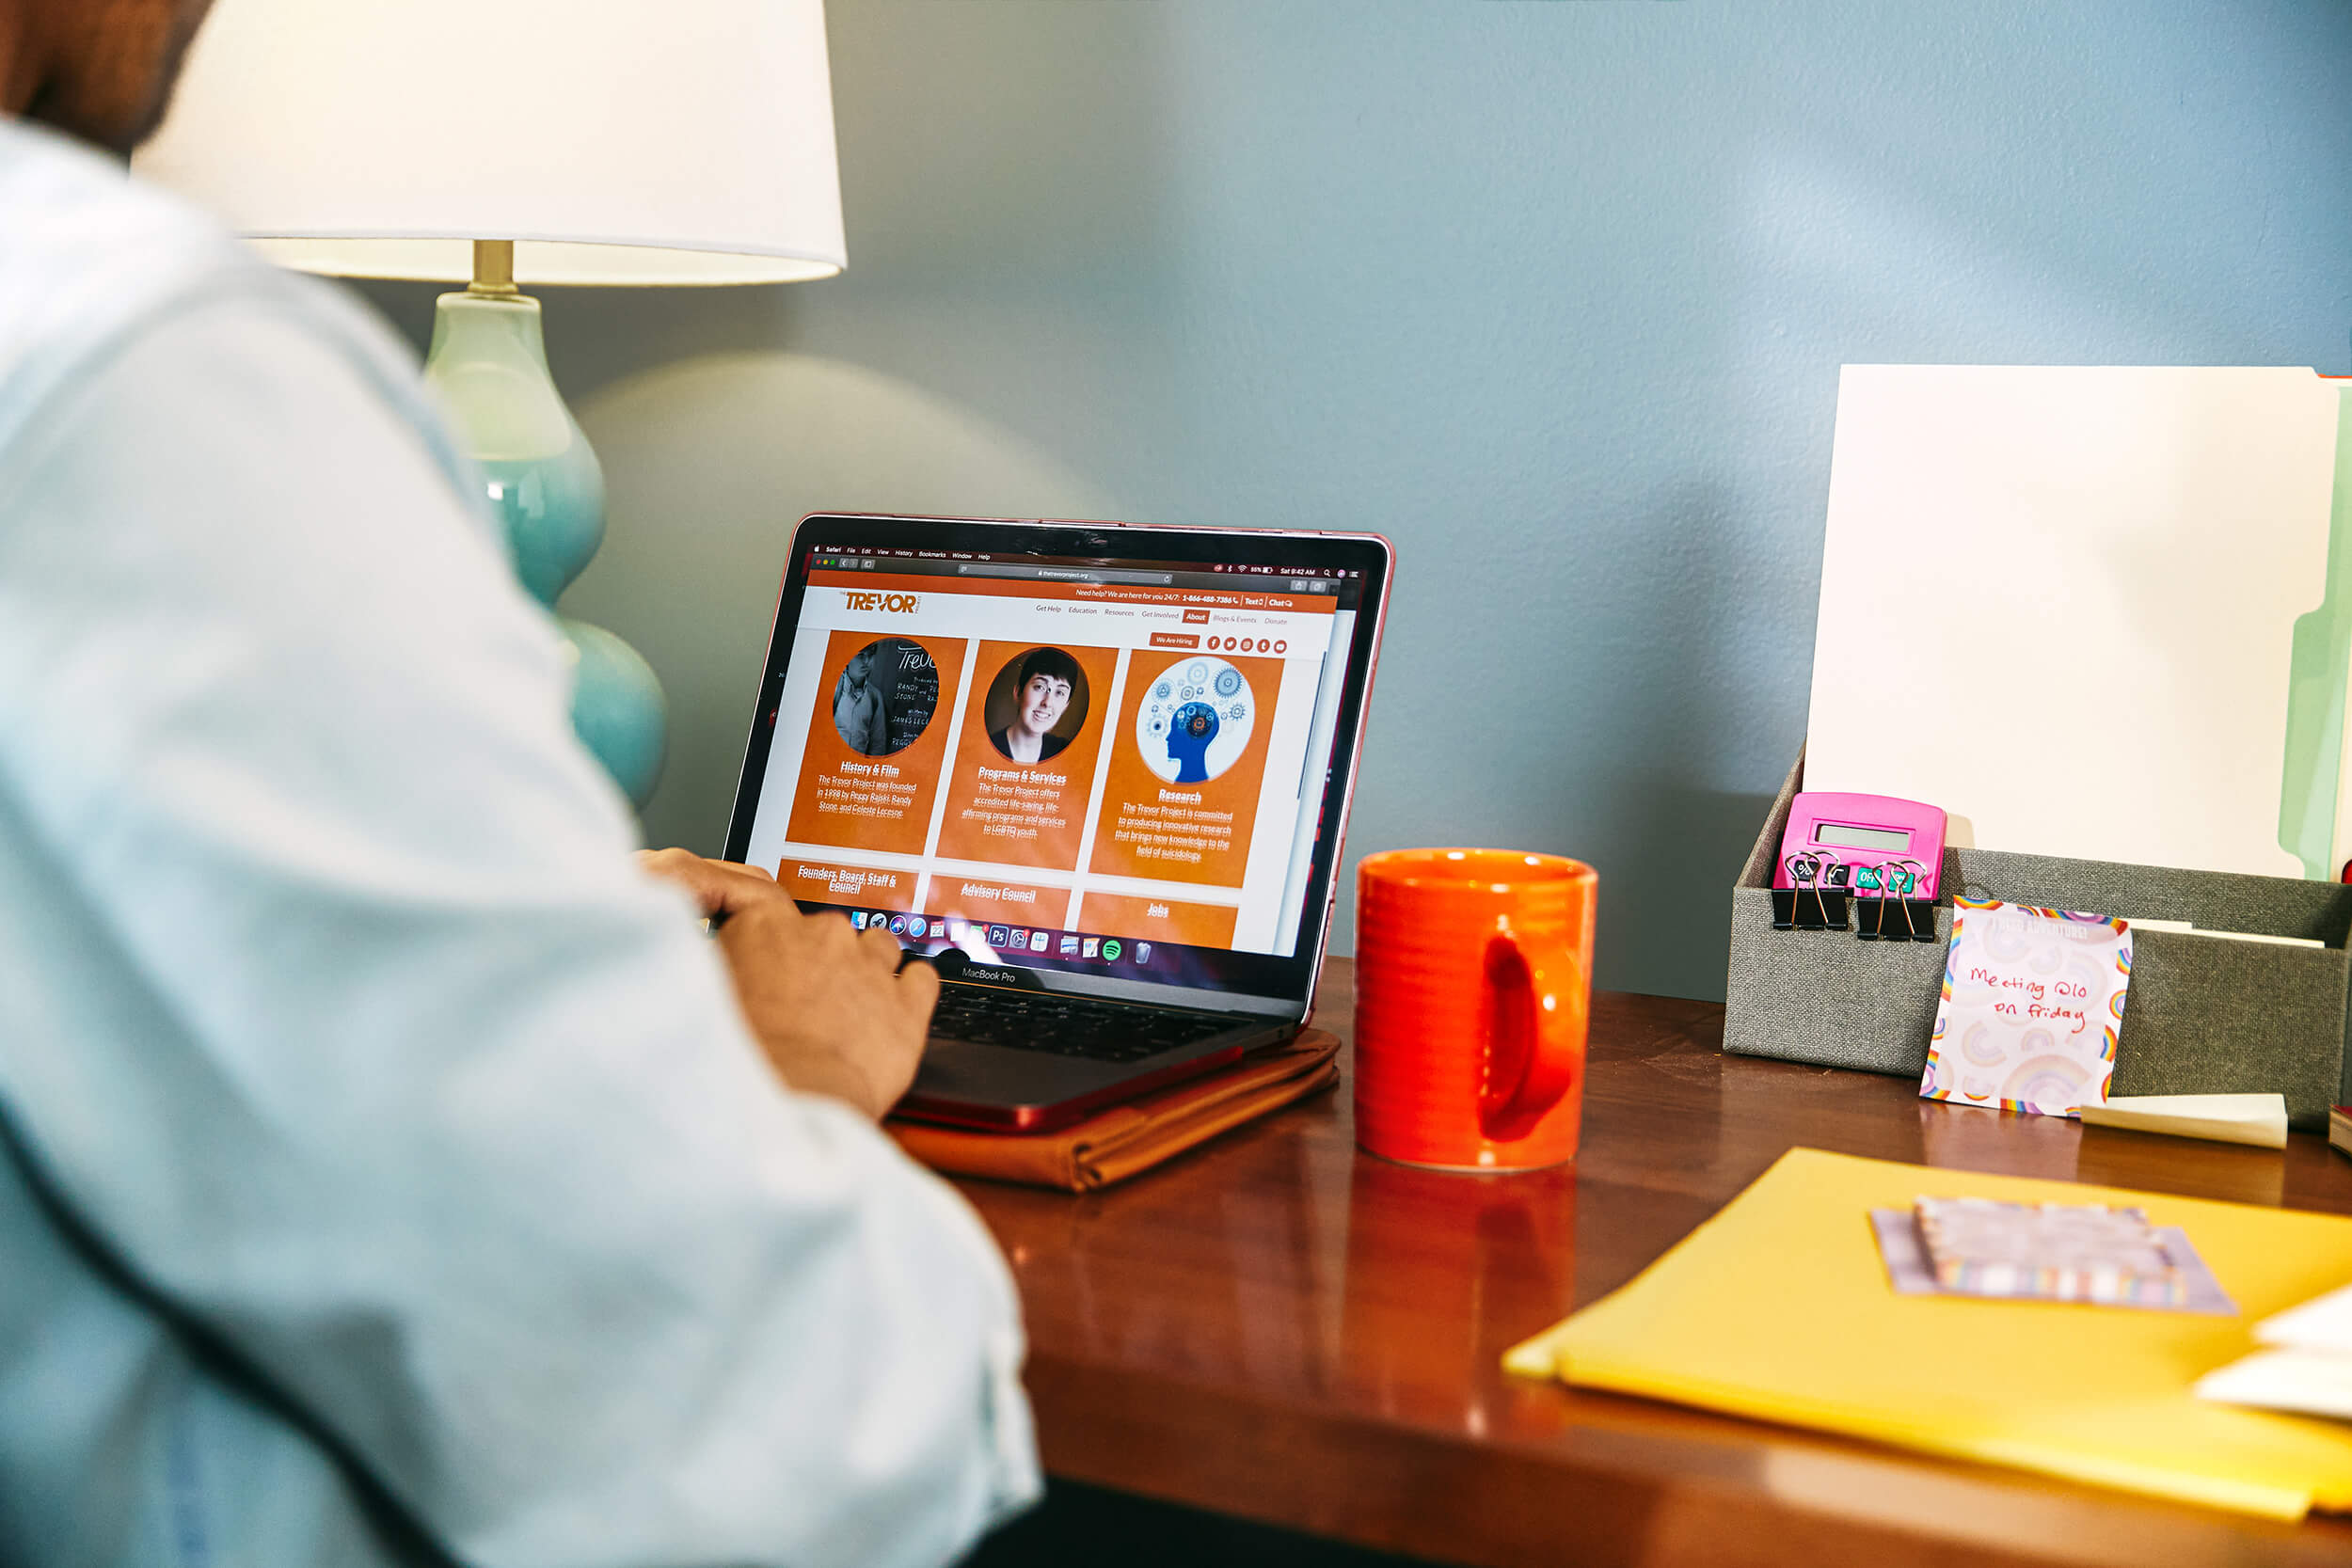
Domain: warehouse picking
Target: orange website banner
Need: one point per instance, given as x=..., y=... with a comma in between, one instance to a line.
x=905, y=592
x=876, y=741
x=1186, y=760
x=986, y=902
x=1013, y=813
x=1158, y=920
x=866, y=887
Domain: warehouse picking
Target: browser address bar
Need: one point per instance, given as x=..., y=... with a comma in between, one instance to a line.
x=1064, y=574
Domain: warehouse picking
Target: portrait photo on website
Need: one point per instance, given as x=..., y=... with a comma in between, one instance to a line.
x=1037, y=704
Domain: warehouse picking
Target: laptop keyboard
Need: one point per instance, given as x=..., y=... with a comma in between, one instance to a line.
x=1067, y=1026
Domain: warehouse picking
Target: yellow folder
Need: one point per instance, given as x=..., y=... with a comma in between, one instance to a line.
x=1778, y=1308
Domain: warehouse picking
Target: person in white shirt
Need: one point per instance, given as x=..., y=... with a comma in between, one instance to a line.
x=390, y=1171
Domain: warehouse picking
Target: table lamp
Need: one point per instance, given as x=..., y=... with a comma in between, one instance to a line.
x=617, y=142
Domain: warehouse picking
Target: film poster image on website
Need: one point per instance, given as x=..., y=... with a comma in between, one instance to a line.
x=885, y=697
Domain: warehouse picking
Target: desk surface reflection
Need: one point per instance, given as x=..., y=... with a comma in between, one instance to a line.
x=1282, y=1328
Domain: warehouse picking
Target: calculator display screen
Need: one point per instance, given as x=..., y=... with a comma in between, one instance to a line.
x=1861, y=838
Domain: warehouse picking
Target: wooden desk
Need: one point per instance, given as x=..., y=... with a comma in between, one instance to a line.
x=1282, y=1328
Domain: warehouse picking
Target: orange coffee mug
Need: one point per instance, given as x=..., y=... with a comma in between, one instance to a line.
x=1474, y=976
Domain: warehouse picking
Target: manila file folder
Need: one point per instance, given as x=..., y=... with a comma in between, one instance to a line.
x=1779, y=1308
x=2100, y=612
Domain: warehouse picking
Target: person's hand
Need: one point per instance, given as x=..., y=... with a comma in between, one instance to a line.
x=828, y=1003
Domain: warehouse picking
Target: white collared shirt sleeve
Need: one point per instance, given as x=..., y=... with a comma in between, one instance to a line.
x=368, y=1048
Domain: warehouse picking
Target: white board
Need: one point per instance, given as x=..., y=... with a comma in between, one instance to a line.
x=2059, y=602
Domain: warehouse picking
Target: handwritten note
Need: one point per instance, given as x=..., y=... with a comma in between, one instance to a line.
x=2032, y=1002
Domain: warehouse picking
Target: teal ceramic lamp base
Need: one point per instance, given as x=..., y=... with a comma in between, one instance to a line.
x=617, y=707
x=488, y=363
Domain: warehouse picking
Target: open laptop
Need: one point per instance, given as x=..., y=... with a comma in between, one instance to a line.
x=1096, y=772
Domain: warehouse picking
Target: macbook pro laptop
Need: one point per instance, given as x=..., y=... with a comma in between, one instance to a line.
x=1096, y=774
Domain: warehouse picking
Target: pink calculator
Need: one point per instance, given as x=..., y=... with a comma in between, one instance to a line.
x=1866, y=842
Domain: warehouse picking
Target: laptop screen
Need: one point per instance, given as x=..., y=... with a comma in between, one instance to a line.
x=1097, y=774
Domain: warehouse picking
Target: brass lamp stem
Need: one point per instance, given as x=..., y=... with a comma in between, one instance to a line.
x=493, y=269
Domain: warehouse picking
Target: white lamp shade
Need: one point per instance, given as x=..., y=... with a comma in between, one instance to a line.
x=615, y=141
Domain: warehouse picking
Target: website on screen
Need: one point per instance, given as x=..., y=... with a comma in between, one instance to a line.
x=1061, y=761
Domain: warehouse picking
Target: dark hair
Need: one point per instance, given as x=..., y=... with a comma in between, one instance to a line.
x=1048, y=661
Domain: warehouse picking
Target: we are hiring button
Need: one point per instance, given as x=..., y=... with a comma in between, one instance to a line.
x=1175, y=639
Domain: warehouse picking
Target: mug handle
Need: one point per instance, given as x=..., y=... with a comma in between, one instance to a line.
x=1539, y=1026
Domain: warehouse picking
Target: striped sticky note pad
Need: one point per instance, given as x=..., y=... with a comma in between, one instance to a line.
x=2048, y=1251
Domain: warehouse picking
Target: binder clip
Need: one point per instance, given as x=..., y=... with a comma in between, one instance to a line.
x=1869, y=895
x=1887, y=908
x=1816, y=900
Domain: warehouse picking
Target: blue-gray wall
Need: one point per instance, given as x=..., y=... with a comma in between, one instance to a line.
x=1553, y=294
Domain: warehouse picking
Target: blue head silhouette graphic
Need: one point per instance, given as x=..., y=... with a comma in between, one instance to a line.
x=1189, y=733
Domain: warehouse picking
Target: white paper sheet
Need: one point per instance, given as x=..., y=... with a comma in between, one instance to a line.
x=2059, y=602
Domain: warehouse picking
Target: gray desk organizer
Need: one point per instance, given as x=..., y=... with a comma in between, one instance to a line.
x=2205, y=1016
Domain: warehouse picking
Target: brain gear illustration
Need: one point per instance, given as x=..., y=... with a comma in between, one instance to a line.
x=1196, y=721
